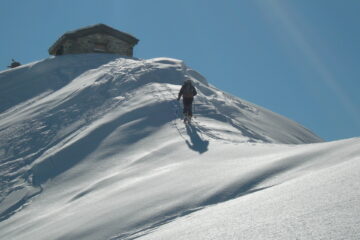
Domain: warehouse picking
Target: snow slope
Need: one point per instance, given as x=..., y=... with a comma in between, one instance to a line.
x=92, y=147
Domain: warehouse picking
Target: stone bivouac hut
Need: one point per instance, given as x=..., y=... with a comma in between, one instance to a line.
x=97, y=38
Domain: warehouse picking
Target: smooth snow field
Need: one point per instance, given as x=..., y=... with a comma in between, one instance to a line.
x=93, y=147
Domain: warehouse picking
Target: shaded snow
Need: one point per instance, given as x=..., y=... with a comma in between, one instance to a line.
x=322, y=204
x=92, y=147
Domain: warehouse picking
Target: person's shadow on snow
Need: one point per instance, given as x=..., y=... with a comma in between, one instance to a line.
x=197, y=143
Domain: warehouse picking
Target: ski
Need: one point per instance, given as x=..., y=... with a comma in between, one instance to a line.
x=187, y=119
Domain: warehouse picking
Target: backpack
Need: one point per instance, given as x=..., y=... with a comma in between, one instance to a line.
x=188, y=91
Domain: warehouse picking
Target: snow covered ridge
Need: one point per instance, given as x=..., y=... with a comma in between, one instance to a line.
x=92, y=147
x=82, y=82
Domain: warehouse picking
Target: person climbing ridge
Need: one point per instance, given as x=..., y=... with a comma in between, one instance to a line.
x=14, y=64
x=188, y=92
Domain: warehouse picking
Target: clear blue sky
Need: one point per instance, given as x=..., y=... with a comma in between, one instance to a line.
x=299, y=58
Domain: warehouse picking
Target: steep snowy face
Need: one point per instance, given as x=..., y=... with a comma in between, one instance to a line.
x=70, y=91
x=78, y=89
x=58, y=102
x=72, y=119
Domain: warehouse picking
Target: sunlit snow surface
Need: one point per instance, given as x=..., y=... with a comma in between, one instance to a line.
x=92, y=147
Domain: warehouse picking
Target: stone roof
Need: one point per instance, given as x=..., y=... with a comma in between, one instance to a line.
x=98, y=28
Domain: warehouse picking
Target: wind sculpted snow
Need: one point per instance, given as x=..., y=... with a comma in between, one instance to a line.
x=92, y=147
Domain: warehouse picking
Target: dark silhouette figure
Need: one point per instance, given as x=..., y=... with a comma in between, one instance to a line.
x=14, y=64
x=188, y=92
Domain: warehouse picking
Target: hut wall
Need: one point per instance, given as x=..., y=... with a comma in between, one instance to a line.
x=97, y=43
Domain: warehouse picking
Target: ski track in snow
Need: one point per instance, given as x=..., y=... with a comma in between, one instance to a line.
x=98, y=133
x=164, y=92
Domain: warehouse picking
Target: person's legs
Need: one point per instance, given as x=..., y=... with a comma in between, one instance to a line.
x=187, y=106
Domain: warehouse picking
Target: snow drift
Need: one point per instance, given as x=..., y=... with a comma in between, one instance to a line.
x=92, y=147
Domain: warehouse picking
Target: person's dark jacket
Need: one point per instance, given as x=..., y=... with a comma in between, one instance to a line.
x=187, y=91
